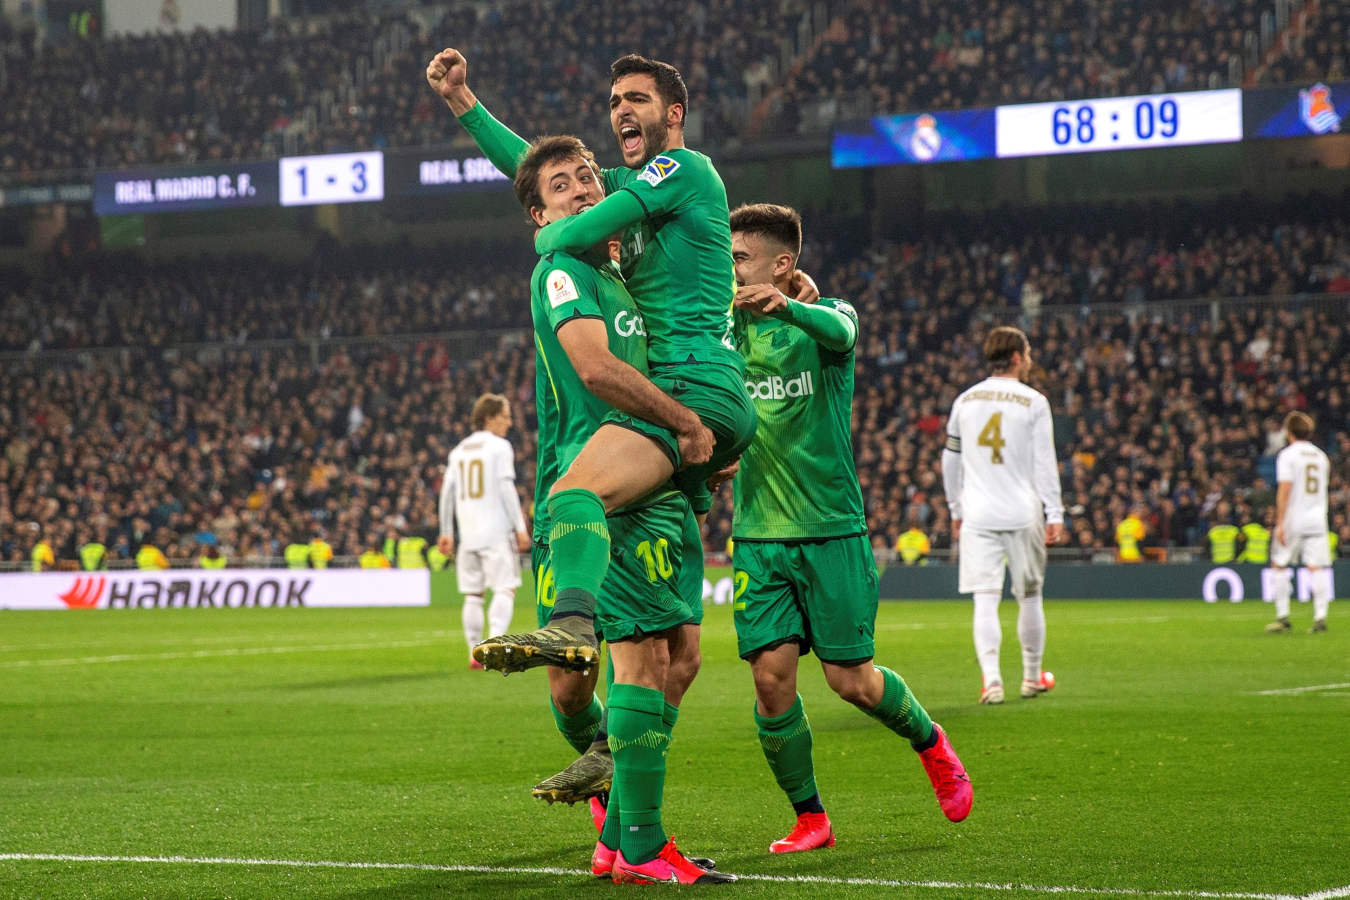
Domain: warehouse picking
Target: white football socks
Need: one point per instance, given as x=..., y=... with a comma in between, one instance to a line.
x=1031, y=632
x=988, y=635
x=499, y=613
x=1321, y=594
x=473, y=619
x=1284, y=587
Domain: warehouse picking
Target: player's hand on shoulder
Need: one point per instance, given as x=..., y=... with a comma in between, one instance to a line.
x=760, y=299
x=803, y=287
x=447, y=71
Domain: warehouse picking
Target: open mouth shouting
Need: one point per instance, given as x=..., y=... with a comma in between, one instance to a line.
x=630, y=138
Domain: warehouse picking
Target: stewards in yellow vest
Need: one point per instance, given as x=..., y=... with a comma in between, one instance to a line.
x=1223, y=536
x=211, y=558
x=151, y=557
x=1256, y=546
x=43, y=558
x=373, y=559
x=1129, y=533
x=913, y=546
x=1334, y=540
x=296, y=556
x=411, y=550
x=320, y=553
x=93, y=556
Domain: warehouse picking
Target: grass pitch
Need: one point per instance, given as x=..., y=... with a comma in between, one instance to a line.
x=1162, y=762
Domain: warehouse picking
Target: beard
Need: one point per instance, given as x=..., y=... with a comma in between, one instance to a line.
x=654, y=137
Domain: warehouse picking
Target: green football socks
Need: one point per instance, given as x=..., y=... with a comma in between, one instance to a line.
x=638, y=738
x=579, y=729
x=786, y=741
x=901, y=712
x=580, y=544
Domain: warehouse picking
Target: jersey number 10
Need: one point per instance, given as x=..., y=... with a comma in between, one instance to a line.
x=471, y=487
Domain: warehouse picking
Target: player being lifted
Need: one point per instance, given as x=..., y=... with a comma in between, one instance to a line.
x=670, y=208
x=1301, y=474
x=479, y=504
x=1000, y=473
x=590, y=348
x=804, y=577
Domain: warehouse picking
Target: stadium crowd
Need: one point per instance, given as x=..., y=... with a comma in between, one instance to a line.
x=1027, y=261
x=355, y=81
x=254, y=445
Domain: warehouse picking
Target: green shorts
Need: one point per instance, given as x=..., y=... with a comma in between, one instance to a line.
x=649, y=587
x=717, y=393
x=821, y=594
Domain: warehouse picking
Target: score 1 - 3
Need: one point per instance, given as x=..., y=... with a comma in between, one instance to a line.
x=332, y=178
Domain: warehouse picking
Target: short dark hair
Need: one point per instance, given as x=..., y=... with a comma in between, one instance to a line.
x=782, y=224
x=1299, y=425
x=543, y=151
x=486, y=407
x=1002, y=343
x=669, y=83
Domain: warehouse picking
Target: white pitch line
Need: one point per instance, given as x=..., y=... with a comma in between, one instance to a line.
x=204, y=654
x=1328, y=894
x=1331, y=894
x=1306, y=689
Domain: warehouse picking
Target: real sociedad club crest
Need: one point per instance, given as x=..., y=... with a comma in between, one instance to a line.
x=925, y=142
x=1317, y=110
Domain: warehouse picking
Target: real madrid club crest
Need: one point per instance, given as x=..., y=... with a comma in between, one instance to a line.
x=925, y=142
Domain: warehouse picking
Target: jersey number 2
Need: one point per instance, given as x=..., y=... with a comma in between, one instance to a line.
x=991, y=436
x=472, y=486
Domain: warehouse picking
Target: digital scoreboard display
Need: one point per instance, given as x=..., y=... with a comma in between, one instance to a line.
x=185, y=188
x=1119, y=123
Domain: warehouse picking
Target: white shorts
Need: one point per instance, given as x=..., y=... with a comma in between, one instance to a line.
x=1306, y=549
x=497, y=568
x=984, y=554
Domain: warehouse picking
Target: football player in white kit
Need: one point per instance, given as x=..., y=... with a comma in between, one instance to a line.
x=1002, y=484
x=479, y=503
x=1301, y=473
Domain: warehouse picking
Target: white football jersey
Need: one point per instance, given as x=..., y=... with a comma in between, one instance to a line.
x=1008, y=476
x=479, y=504
x=1306, y=470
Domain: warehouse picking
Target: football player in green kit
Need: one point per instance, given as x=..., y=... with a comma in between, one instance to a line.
x=591, y=355
x=804, y=576
x=669, y=206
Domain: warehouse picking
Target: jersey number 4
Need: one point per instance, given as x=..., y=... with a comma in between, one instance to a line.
x=471, y=488
x=991, y=436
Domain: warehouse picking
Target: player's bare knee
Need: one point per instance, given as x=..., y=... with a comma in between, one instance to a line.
x=571, y=692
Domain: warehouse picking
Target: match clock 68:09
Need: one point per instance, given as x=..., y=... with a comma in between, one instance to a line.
x=1119, y=123
x=332, y=178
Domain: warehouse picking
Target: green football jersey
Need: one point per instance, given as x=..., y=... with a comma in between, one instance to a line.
x=797, y=480
x=677, y=261
x=564, y=287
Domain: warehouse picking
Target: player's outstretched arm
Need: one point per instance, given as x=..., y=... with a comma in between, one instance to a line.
x=577, y=234
x=447, y=74
x=825, y=325
x=586, y=343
